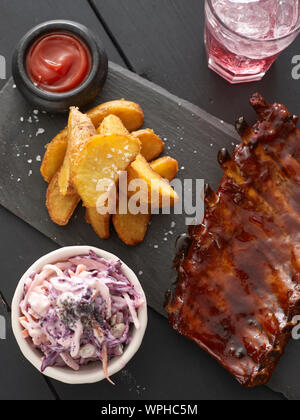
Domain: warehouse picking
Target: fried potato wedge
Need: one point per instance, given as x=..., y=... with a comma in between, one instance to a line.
x=102, y=158
x=54, y=156
x=130, y=114
x=156, y=191
x=131, y=229
x=166, y=167
x=100, y=223
x=112, y=125
x=80, y=130
x=60, y=207
x=152, y=145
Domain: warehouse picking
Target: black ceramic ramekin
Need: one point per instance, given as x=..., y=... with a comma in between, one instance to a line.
x=61, y=102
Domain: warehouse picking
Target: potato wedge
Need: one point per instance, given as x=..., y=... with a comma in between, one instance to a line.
x=166, y=167
x=102, y=158
x=80, y=130
x=152, y=145
x=54, y=157
x=131, y=229
x=112, y=125
x=157, y=192
x=60, y=207
x=100, y=223
x=130, y=113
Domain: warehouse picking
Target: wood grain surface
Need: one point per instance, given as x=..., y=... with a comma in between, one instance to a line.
x=17, y=17
x=16, y=373
x=163, y=41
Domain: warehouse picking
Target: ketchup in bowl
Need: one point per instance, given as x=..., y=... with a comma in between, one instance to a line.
x=58, y=62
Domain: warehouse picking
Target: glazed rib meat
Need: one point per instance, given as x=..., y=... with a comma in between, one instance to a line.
x=238, y=284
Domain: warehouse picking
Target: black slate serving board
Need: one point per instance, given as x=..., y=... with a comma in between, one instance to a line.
x=191, y=136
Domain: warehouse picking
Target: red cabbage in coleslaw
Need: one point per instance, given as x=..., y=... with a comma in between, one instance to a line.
x=80, y=311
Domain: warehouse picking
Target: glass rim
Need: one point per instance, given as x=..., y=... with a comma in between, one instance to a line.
x=212, y=9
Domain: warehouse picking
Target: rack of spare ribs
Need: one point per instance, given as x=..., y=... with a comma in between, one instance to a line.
x=238, y=284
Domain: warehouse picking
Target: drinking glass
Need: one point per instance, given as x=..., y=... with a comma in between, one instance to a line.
x=243, y=38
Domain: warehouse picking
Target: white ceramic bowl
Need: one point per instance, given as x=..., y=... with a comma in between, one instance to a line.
x=93, y=372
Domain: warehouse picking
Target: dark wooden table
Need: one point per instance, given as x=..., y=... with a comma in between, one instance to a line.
x=162, y=40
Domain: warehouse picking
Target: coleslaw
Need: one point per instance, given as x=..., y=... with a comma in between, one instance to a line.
x=80, y=311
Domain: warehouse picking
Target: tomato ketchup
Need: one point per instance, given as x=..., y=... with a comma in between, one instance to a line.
x=58, y=62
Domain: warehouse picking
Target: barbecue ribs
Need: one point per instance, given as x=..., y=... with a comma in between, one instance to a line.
x=239, y=280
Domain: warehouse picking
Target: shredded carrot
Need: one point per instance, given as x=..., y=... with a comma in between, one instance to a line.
x=23, y=318
x=98, y=331
x=80, y=269
x=25, y=334
x=104, y=363
x=95, y=294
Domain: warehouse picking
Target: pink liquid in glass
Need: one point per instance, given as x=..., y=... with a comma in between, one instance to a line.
x=244, y=37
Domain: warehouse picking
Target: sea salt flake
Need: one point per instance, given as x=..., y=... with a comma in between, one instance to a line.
x=40, y=131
